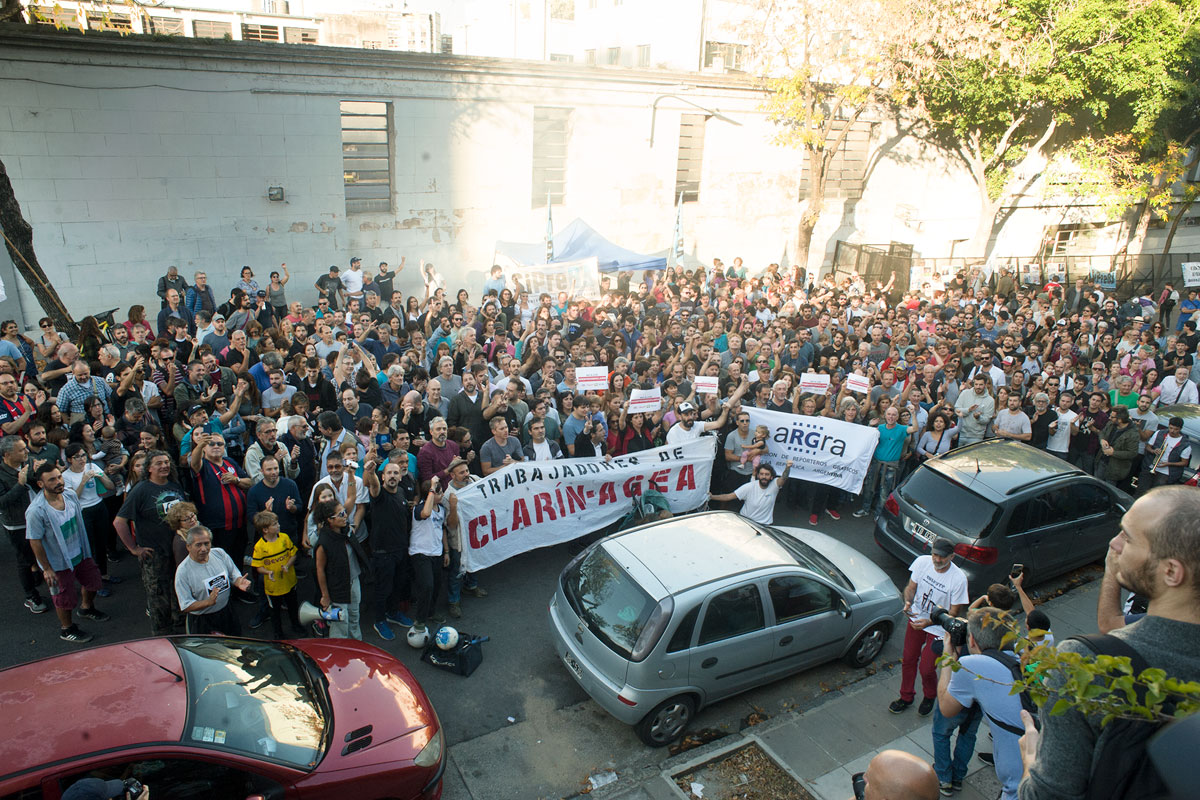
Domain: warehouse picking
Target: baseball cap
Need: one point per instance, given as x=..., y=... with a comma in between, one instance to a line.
x=334, y=268
x=942, y=547
x=356, y=260
x=192, y=409
x=94, y=789
x=219, y=316
x=686, y=407
x=262, y=293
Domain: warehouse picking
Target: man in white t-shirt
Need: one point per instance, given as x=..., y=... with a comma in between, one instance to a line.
x=1060, y=431
x=759, y=495
x=353, y=279
x=934, y=582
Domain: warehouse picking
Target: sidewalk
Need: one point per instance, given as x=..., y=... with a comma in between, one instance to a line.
x=824, y=745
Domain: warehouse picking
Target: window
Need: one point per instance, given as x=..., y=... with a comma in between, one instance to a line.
x=682, y=638
x=366, y=155
x=186, y=778
x=57, y=16
x=166, y=25
x=1193, y=175
x=612, y=56
x=550, y=130
x=1049, y=508
x=643, y=55
x=370, y=45
x=733, y=613
x=567, y=58
x=300, y=35
x=729, y=56
x=103, y=21
x=273, y=7
x=447, y=44
x=691, y=156
x=260, y=33
x=211, y=29
x=590, y=57
x=794, y=597
x=562, y=9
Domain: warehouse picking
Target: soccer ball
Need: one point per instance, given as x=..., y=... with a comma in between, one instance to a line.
x=418, y=638
x=446, y=638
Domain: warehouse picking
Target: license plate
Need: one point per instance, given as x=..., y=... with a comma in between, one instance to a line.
x=920, y=530
x=574, y=666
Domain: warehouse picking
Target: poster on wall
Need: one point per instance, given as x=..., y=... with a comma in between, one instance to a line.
x=1191, y=273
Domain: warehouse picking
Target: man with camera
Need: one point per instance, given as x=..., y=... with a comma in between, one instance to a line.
x=935, y=582
x=985, y=678
x=97, y=789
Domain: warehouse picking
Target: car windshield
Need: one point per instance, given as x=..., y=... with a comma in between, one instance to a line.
x=610, y=602
x=259, y=698
x=809, y=557
x=950, y=503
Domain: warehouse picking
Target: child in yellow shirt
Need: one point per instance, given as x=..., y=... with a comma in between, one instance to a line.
x=275, y=557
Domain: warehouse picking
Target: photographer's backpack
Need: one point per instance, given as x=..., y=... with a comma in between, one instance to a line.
x=1010, y=660
x=1123, y=768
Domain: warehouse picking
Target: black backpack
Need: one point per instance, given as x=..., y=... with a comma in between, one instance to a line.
x=1010, y=660
x=1124, y=769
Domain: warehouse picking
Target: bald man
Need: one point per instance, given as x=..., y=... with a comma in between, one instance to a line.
x=896, y=775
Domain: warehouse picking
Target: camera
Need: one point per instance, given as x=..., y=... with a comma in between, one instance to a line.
x=133, y=787
x=858, y=783
x=955, y=626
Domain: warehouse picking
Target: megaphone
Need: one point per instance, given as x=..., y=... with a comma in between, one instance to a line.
x=309, y=613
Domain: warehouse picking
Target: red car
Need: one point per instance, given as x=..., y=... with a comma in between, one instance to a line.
x=216, y=718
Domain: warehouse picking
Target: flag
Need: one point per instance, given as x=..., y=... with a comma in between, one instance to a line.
x=549, y=230
x=677, y=248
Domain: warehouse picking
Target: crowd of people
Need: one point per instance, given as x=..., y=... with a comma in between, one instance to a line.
x=269, y=413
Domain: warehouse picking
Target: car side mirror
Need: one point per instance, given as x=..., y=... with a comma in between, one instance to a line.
x=843, y=607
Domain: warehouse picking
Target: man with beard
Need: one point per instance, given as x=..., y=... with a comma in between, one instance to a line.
x=436, y=454
x=146, y=506
x=758, y=496
x=686, y=428
x=391, y=526
x=1156, y=554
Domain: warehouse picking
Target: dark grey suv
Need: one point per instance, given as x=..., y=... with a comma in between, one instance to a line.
x=1002, y=503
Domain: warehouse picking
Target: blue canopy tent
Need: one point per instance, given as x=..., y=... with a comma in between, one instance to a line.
x=578, y=241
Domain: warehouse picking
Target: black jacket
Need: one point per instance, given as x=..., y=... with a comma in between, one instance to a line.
x=14, y=498
x=337, y=563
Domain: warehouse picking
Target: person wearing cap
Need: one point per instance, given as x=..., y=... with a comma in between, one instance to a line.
x=686, y=428
x=934, y=582
x=329, y=288
x=1167, y=453
x=97, y=789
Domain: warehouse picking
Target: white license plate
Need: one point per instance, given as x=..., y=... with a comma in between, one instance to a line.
x=920, y=530
x=574, y=666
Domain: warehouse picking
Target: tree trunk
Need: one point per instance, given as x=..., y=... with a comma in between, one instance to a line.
x=1183, y=209
x=18, y=239
x=976, y=246
x=813, y=206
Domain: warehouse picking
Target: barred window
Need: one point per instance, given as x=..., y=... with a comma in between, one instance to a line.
x=366, y=155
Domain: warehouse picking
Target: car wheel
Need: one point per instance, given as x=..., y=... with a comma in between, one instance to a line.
x=869, y=645
x=667, y=721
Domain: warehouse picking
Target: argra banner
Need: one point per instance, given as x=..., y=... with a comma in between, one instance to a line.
x=822, y=450
x=539, y=503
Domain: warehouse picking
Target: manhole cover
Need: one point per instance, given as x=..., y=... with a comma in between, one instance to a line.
x=747, y=773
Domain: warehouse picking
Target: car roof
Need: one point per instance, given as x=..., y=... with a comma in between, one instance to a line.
x=1188, y=412
x=64, y=707
x=999, y=468
x=701, y=548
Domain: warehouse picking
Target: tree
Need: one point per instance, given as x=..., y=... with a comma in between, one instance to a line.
x=1049, y=73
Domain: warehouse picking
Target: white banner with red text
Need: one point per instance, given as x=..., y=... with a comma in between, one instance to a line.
x=540, y=503
x=822, y=450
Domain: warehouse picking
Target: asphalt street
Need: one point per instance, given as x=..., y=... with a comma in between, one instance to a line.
x=550, y=734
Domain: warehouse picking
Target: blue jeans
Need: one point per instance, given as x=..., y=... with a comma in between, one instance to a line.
x=967, y=721
x=879, y=483
x=457, y=578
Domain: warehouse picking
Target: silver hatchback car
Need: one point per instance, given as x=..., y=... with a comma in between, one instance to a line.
x=661, y=620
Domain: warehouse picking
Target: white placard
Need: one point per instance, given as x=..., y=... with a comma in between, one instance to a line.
x=706, y=385
x=814, y=383
x=591, y=379
x=545, y=503
x=858, y=383
x=645, y=401
x=1191, y=273
x=822, y=450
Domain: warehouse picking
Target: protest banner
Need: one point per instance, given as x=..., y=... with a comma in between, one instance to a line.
x=645, y=401
x=579, y=279
x=858, y=383
x=1104, y=279
x=591, y=379
x=814, y=383
x=822, y=449
x=535, y=504
x=705, y=384
x=1191, y=273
